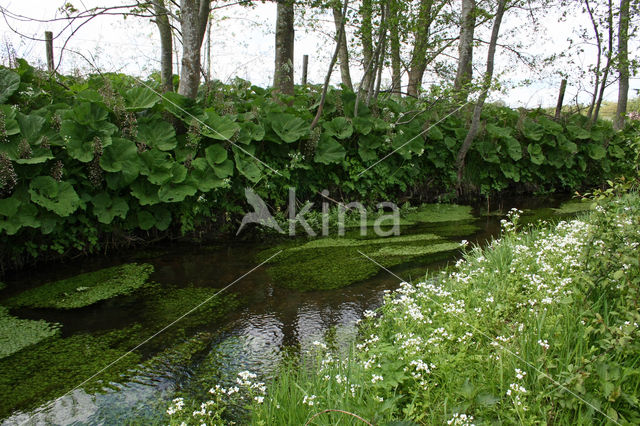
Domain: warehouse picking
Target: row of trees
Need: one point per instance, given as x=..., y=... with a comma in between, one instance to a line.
x=406, y=36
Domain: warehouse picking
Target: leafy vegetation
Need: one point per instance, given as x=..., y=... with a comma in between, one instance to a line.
x=542, y=326
x=86, y=289
x=95, y=161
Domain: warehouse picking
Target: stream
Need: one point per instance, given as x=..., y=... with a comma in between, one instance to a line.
x=268, y=321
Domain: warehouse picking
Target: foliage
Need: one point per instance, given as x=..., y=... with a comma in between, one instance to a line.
x=542, y=326
x=86, y=289
x=103, y=161
x=17, y=333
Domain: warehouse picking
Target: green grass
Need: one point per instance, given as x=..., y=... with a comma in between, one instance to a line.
x=17, y=333
x=85, y=289
x=540, y=327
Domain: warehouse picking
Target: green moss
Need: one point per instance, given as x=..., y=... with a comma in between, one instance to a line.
x=330, y=263
x=431, y=213
x=456, y=229
x=86, y=289
x=47, y=370
x=574, y=206
x=349, y=242
x=17, y=333
x=412, y=251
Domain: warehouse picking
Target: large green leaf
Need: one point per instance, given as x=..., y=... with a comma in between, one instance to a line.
x=157, y=166
x=158, y=134
x=30, y=126
x=339, y=128
x=218, y=127
x=247, y=165
x=59, y=197
x=145, y=192
x=596, y=151
x=510, y=171
x=121, y=156
x=329, y=151
x=532, y=130
x=224, y=169
x=9, y=83
x=204, y=176
x=215, y=154
x=289, y=127
x=250, y=131
x=163, y=217
x=513, y=148
x=9, y=206
x=363, y=125
x=89, y=114
x=107, y=208
x=145, y=220
x=535, y=153
x=139, y=98
x=175, y=192
x=10, y=123
x=577, y=132
x=497, y=131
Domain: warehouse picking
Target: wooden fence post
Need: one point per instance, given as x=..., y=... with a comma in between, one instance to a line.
x=563, y=87
x=48, y=37
x=305, y=67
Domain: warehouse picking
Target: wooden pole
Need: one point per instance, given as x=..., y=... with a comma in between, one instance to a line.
x=305, y=67
x=48, y=37
x=563, y=87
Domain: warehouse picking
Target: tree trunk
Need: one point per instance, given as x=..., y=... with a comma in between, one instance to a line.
x=283, y=73
x=419, y=54
x=343, y=52
x=486, y=84
x=596, y=84
x=465, y=50
x=563, y=88
x=366, y=38
x=194, y=15
x=394, y=41
x=623, y=65
x=607, y=67
x=166, y=45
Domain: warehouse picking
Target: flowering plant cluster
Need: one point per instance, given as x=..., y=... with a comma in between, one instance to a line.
x=540, y=326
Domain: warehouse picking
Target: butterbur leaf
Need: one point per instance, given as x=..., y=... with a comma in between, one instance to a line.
x=106, y=208
x=9, y=83
x=578, y=132
x=363, y=125
x=224, y=169
x=329, y=151
x=513, y=148
x=218, y=127
x=10, y=123
x=339, y=127
x=215, y=154
x=203, y=175
x=9, y=206
x=178, y=173
x=163, y=217
x=289, y=127
x=250, y=132
x=145, y=192
x=145, y=220
x=121, y=156
x=246, y=165
x=30, y=126
x=535, y=153
x=58, y=197
x=596, y=151
x=89, y=114
x=175, y=192
x=157, y=166
x=158, y=134
x=532, y=130
x=139, y=98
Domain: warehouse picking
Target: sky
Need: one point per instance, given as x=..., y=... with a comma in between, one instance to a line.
x=242, y=45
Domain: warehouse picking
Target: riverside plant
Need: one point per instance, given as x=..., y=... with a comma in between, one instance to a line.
x=541, y=326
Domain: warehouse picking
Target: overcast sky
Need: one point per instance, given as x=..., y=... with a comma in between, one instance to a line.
x=242, y=43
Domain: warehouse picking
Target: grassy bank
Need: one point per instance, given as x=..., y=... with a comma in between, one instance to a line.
x=539, y=327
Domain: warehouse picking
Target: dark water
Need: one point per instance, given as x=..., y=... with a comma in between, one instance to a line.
x=252, y=337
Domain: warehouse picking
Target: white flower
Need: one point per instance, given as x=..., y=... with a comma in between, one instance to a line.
x=308, y=400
